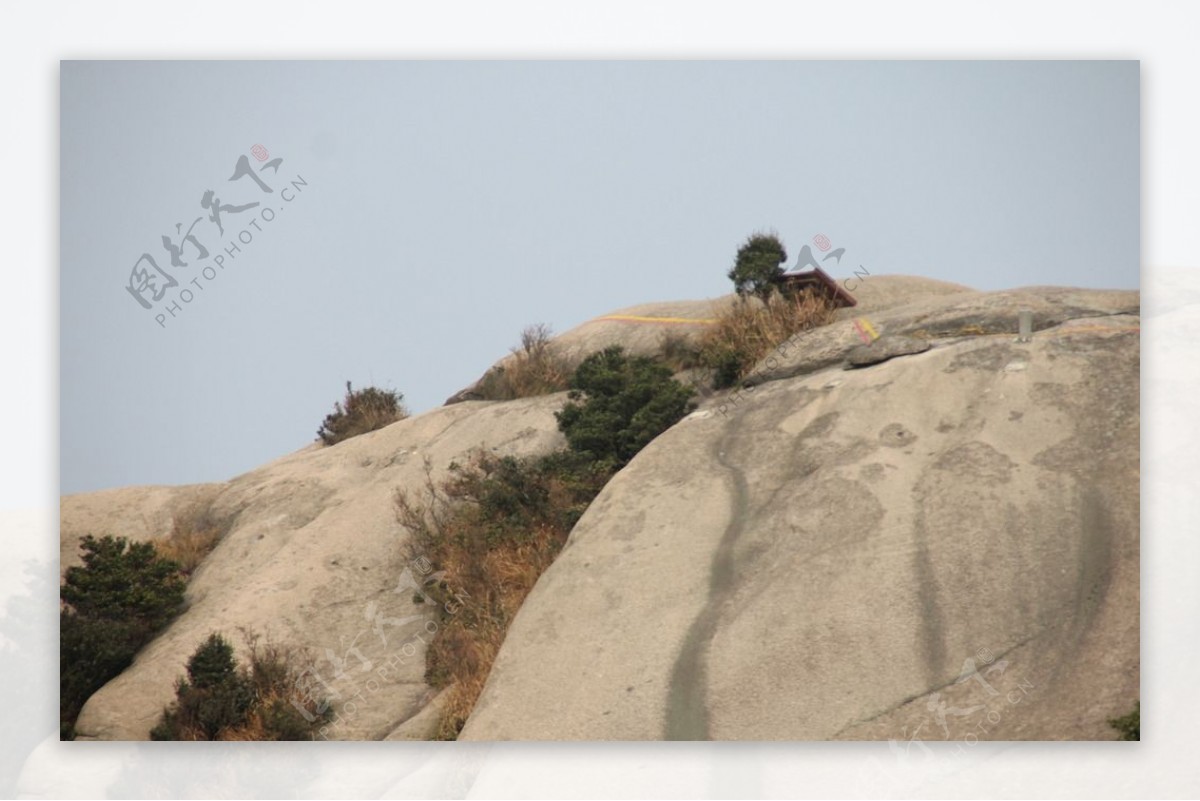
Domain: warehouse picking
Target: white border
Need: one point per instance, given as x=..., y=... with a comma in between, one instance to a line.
x=1161, y=35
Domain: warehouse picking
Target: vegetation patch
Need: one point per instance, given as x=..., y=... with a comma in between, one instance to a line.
x=1129, y=727
x=195, y=532
x=750, y=328
x=679, y=351
x=536, y=367
x=497, y=522
x=491, y=528
x=218, y=700
x=618, y=403
x=758, y=265
x=361, y=411
x=112, y=605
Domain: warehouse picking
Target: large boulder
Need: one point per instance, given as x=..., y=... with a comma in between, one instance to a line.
x=313, y=559
x=942, y=546
x=939, y=315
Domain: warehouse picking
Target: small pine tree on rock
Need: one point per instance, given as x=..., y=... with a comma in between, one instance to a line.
x=619, y=403
x=114, y=603
x=758, y=265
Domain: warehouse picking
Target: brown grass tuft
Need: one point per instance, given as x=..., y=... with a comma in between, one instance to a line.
x=275, y=674
x=747, y=331
x=536, y=367
x=195, y=532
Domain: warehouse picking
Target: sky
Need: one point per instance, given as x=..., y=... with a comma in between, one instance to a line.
x=421, y=214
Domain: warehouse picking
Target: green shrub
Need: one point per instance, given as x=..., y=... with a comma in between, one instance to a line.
x=491, y=528
x=618, y=404
x=758, y=265
x=212, y=664
x=220, y=701
x=361, y=411
x=115, y=603
x=92, y=652
x=510, y=497
x=728, y=363
x=1129, y=726
x=125, y=581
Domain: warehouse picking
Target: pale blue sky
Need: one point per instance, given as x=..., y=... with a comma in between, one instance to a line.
x=448, y=205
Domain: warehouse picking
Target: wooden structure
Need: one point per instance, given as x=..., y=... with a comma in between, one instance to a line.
x=816, y=280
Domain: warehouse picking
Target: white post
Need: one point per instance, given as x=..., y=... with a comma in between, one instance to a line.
x=1024, y=325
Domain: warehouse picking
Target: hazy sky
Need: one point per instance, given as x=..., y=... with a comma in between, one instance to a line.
x=425, y=212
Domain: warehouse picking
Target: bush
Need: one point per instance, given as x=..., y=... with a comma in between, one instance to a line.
x=679, y=351
x=618, y=404
x=220, y=701
x=758, y=265
x=91, y=653
x=123, y=581
x=212, y=664
x=115, y=603
x=536, y=367
x=214, y=697
x=1129, y=726
x=491, y=527
x=749, y=329
x=362, y=411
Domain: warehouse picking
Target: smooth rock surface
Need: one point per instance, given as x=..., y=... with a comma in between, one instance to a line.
x=942, y=315
x=935, y=545
x=885, y=348
x=902, y=550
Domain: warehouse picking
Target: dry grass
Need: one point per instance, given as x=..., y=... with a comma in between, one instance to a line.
x=536, y=367
x=747, y=331
x=195, y=532
x=275, y=674
x=493, y=526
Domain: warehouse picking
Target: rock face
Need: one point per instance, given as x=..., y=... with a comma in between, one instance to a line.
x=136, y=513
x=885, y=348
x=939, y=543
x=942, y=315
x=314, y=559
